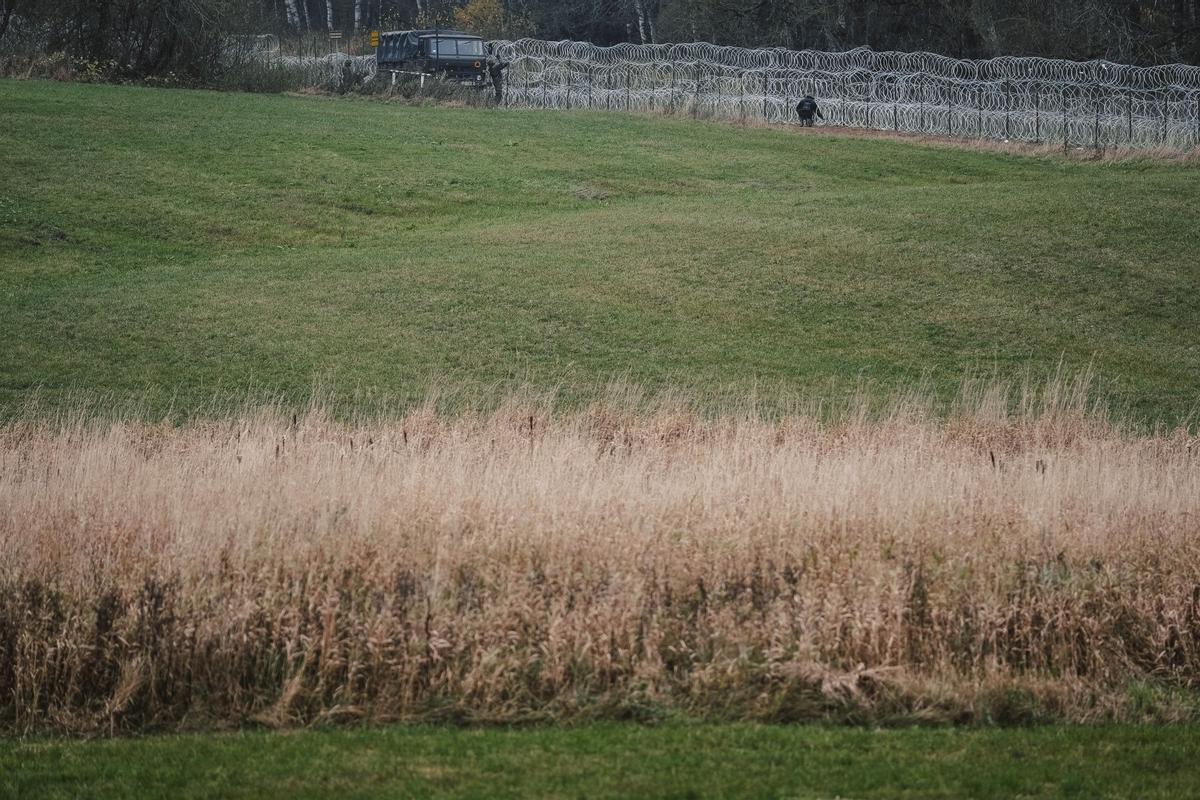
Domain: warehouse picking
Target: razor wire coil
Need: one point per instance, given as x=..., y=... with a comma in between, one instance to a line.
x=1093, y=103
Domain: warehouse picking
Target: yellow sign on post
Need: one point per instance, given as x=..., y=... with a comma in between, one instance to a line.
x=374, y=38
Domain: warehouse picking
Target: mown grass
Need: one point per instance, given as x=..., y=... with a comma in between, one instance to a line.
x=189, y=243
x=617, y=761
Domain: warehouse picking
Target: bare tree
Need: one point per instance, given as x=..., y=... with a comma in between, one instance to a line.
x=145, y=36
x=293, y=14
x=8, y=10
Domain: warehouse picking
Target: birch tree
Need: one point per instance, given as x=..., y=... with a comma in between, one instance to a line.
x=8, y=10
x=293, y=13
x=640, y=10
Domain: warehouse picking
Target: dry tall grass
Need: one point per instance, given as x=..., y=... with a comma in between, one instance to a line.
x=1000, y=564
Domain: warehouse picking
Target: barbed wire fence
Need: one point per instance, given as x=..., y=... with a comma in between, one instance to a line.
x=1075, y=104
x=1085, y=104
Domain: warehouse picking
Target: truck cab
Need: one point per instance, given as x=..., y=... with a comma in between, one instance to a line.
x=456, y=55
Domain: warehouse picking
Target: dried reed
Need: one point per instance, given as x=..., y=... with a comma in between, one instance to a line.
x=1018, y=559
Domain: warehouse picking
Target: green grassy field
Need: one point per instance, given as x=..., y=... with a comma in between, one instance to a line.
x=617, y=761
x=176, y=246
x=186, y=244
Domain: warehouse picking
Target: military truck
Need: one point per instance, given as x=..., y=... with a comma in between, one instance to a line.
x=453, y=55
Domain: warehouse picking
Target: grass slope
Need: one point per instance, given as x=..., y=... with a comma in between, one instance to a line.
x=616, y=761
x=199, y=241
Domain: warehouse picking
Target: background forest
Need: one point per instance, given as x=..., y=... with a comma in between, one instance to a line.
x=146, y=37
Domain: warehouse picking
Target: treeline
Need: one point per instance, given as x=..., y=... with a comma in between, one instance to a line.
x=128, y=38
x=1130, y=31
x=150, y=36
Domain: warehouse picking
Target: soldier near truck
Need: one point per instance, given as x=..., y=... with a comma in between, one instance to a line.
x=806, y=109
x=495, y=68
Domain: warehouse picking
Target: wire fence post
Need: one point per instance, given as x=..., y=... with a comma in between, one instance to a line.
x=1066, y=127
x=1096, y=130
x=842, y=102
x=696, y=94
x=979, y=117
x=671, y=101
x=742, y=97
x=1037, y=115
x=1197, y=132
x=1129, y=121
x=1007, y=112
x=590, y=79
x=766, y=116
x=870, y=91
x=1198, y=119
x=950, y=113
x=628, y=87
x=720, y=91
x=1162, y=113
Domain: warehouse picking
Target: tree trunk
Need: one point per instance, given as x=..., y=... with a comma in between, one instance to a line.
x=293, y=14
x=329, y=14
x=6, y=12
x=358, y=14
x=641, y=19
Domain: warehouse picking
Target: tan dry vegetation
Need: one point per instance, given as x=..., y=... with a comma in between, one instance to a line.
x=1018, y=559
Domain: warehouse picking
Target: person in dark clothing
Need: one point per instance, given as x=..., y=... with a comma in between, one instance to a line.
x=496, y=71
x=807, y=108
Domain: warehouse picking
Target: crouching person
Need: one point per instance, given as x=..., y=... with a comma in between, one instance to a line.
x=807, y=109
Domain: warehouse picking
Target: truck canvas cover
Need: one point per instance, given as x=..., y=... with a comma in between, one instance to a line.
x=397, y=46
x=403, y=49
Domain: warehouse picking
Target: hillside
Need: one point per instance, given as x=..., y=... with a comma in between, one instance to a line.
x=191, y=243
